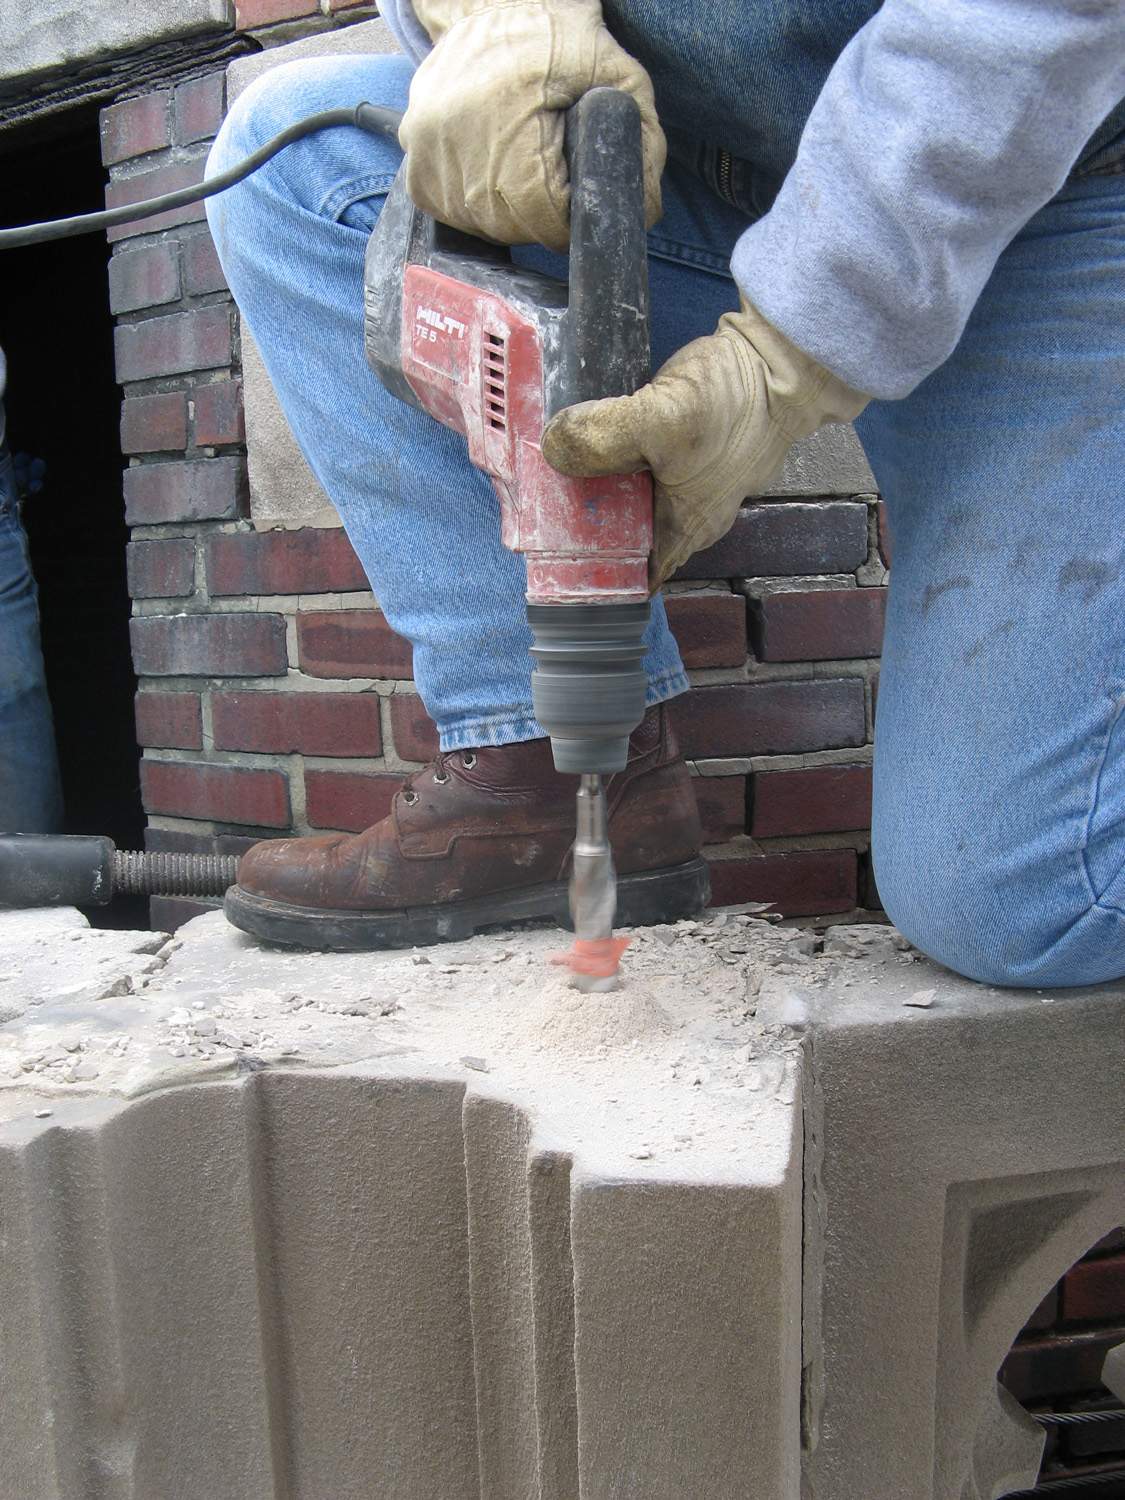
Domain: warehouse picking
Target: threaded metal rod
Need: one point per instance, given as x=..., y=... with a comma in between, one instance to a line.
x=137, y=873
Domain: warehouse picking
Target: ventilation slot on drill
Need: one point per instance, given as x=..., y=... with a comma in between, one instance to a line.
x=495, y=387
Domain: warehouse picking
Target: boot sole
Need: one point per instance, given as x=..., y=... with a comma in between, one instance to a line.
x=643, y=899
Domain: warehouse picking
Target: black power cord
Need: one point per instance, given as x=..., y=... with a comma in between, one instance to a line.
x=370, y=117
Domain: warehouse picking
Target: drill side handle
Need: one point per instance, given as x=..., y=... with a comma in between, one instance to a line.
x=605, y=332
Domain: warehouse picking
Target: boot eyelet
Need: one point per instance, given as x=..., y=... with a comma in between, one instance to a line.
x=468, y=760
x=410, y=798
x=440, y=780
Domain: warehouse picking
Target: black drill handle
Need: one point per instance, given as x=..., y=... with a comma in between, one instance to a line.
x=603, y=347
x=605, y=338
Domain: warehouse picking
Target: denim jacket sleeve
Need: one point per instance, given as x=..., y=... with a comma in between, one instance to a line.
x=942, y=128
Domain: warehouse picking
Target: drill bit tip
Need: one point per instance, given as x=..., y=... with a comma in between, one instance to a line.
x=595, y=956
x=593, y=963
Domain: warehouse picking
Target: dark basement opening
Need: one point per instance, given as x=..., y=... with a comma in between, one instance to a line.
x=64, y=407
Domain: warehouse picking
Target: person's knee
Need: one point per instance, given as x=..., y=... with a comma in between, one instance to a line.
x=970, y=908
x=293, y=91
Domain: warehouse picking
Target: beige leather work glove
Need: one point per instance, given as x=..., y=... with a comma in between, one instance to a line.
x=484, y=128
x=714, y=427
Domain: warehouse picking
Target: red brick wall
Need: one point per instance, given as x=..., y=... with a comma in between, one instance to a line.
x=274, y=696
x=1056, y=1362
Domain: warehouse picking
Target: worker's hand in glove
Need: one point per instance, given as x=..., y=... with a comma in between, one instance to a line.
x=484, y=128
x=714, y=427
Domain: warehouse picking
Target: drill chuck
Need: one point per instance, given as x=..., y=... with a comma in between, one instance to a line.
x=588, y=687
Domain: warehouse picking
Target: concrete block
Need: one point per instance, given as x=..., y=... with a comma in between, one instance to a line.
x=963, y=1154
x=414, y=1225
x=831, y=462
x=763, y=1223
x=283, y=489
x=55, y=34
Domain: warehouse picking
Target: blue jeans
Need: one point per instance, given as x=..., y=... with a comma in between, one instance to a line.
x=1000, y=758
x=30, y=795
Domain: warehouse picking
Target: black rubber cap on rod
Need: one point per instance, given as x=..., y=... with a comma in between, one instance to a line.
x=55, y=870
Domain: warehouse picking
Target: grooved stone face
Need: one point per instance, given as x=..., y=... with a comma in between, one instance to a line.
x=414, y=1228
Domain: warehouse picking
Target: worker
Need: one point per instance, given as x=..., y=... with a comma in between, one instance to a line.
x=30, y=790
x=909, y=214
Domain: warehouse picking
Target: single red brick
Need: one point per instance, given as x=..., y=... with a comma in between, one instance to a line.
x=824, y=799
x=198, y=107
x=202, y=271
x=261, y=12
x=801, y=883
x=161, y=569
x=200, y=489
x=1109, y=1244
x=886, y=541
x=236, y=645
x=722, y=806
x=1058, y=1366
x=147, y=277
x=819, y=625
x=179, y=841
x=310, y=723
x=134, y=127
x=228, y=794
x=218, y=413
x=169, y=913
x=770, y=718
x=773, y=539
x=1045, y=1315
x=351, y=643
x=414, y=732
x=237, y=844
x=1095, y=1289
x=166, y=179
x=1105, y=1441
x=710, y=629
x=195, y=340
x=169, y=721
x=154, y=424
x=347, y=800
x=312, y=560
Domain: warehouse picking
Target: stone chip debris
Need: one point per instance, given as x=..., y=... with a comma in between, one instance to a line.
x=674, y=1067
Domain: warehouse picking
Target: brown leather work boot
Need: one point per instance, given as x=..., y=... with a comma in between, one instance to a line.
x=479, y=838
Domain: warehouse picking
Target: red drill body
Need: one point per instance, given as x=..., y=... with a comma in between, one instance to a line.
x=476, y=364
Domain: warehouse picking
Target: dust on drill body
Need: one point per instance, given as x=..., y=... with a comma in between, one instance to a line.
x=494, y=351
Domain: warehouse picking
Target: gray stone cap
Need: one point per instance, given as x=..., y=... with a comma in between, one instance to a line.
x=670, y=1077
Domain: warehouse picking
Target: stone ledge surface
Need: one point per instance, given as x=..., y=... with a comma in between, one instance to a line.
x=429, y=1223
x=56, y=34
